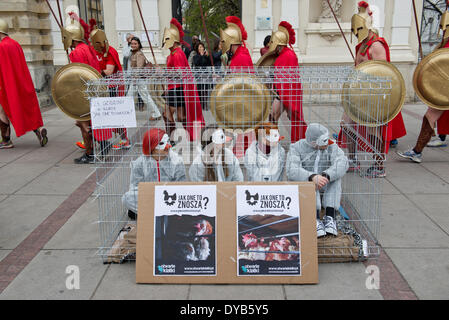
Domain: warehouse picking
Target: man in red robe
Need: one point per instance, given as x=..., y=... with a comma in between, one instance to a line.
x=233, y=43
x=73, y=38
x=18, y=100
x=370, y=47
x=181, y=98
x=432, y=116
x=110, y=65
x=287, y=83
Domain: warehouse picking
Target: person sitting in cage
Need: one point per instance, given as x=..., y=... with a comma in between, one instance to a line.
x=215, y=162
x=181, y=96
x=157, y=163
x=265, y=157
x=318, y=159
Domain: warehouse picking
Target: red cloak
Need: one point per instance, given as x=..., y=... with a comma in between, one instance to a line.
x=290, y=92
x=241, y=61
x=443, y=122
x=17, y=94
x=112, y=58
x=194, y=113
x=85, y=54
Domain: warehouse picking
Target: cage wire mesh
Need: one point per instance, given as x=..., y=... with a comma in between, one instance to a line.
x=182, y=101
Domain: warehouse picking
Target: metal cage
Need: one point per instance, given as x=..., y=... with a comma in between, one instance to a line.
x=237, y=100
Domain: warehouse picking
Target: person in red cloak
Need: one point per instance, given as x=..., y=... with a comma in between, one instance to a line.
x=288, y=87
x=100, y=135
x=233, y=44
x=18, y=101
x=370, y=47
x=73, y=38
x=432, y=116
x=110, y=65
x=181, y=98
x=232, y=40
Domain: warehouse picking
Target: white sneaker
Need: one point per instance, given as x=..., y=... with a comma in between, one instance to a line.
x=412, y=155
x=437, y=143
x=320, y=228
x=330, y=226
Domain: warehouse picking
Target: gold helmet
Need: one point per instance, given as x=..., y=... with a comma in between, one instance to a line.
x=284, y=36
x=362, y=22
x=72, y=32
x=99, y=41
x=4, y=27
x=173, y=34
x=235, y=33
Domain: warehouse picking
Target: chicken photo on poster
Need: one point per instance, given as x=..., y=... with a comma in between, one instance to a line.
x=185, y=239
x=268, y=230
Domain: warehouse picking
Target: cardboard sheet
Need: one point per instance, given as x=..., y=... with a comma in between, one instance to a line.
x=221, y=265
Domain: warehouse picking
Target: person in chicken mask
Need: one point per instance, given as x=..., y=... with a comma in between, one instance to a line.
x=158, y=163
x=215, y=162
x=318, y=159
x=265, y=157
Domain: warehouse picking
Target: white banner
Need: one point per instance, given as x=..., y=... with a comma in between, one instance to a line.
x=114, y=112
x=185, y=200
x=262, y=200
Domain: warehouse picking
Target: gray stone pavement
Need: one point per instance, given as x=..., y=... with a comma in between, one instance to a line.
x=36, y=181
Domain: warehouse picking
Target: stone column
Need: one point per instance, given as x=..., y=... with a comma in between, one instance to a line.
x=248, y=20
x=400, y=31
x=29, y=25
x=263, y=23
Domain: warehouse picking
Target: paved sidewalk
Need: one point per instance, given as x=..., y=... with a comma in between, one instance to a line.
x=48, y=222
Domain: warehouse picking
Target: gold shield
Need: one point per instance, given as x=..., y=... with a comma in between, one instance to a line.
x=267, y=60
x=240, y=101
x=68, y=89
x=373, y=103
x=431, y=79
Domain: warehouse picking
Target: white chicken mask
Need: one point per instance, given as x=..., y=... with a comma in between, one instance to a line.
x=219, y=137
x=164, y=144
x=274, y=136
x=271, y=139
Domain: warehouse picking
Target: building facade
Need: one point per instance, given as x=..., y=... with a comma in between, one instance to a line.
x=319, y=41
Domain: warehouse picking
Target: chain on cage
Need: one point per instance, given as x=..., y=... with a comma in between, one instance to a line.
x=338, y=97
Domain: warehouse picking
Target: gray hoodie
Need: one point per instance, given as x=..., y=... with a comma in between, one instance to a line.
x=147, y=169
x=305, y=160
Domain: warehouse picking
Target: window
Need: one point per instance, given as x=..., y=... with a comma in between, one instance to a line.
x=92, y=9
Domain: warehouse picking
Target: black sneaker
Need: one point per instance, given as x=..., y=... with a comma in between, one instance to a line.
x=105, y=147
x=85, y=159
x=132, y=215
